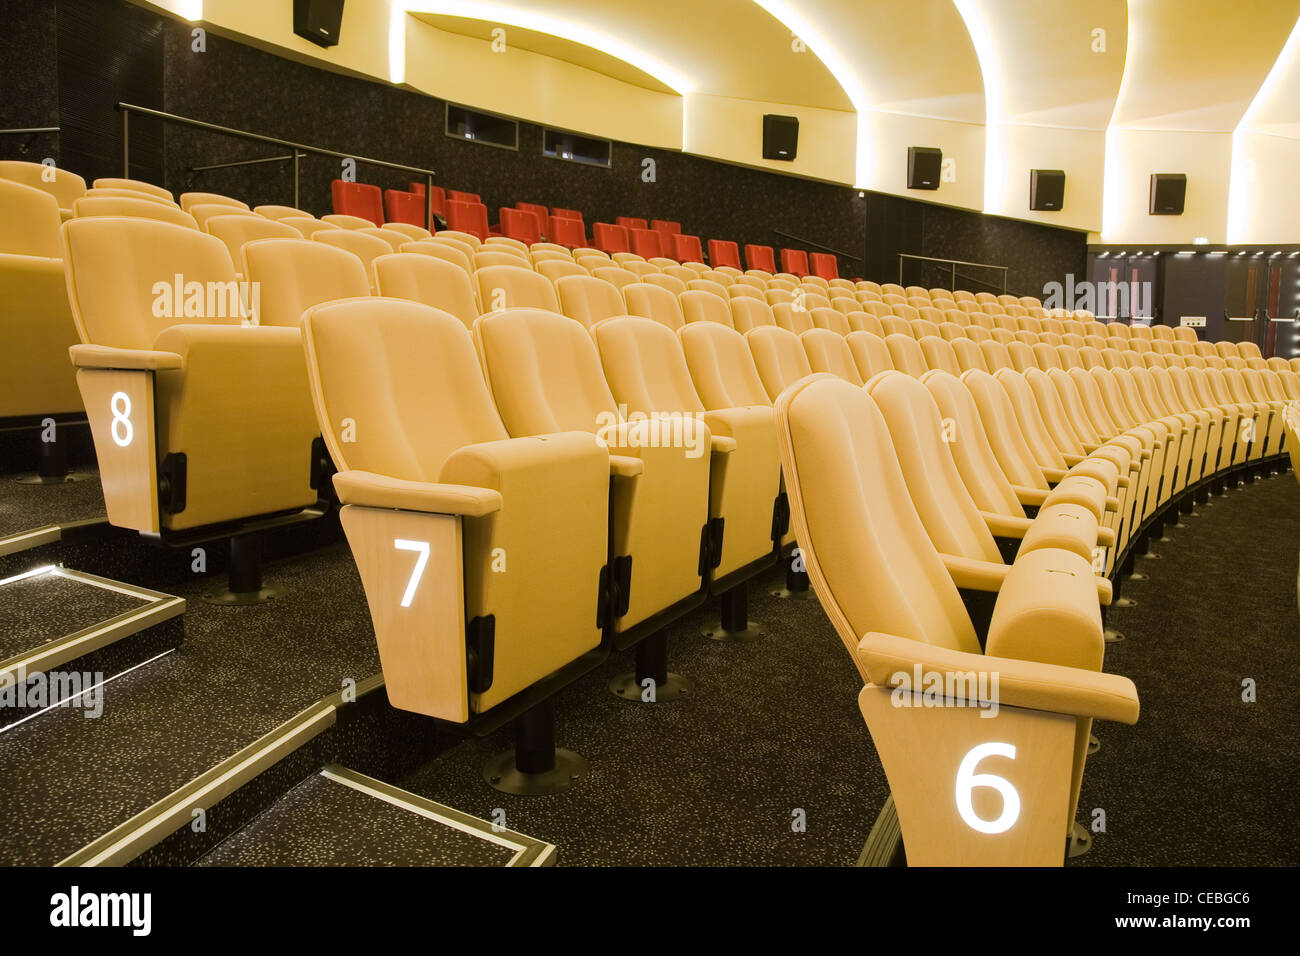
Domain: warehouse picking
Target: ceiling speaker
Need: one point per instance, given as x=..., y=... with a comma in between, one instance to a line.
x=923, y=166
x=318, y=20
x=1046, y=189
x=1168, y=193
x=780, y=136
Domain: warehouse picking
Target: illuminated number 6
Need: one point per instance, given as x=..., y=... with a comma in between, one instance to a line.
x=120, y=405
x=968, y=780
x=422, y=547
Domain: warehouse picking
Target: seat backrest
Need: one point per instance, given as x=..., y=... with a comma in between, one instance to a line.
x=135, y=208
x=645, y=367
x=794, y=261
x=700, y=305
x=779, y=357
x=610, y=237
x=237, y=230
x=825, y=265
x=307, y=226
x=544, y=372
x=721, y=366
x=687, y=248
x=520, y=224
x=66, y=187
x=1003, y=430
x=468, y=217
x=363, y=200
x=404, y=207
x=631, y=222
x=616, y=276
x=1033, y=429
x=394, y=238
x=750, y=312
x=567, y=232
x=122, y=283
x=827, y=351
x=724, y=252
x=435, y=282
x=984, y=478
x=938, y=353
x=646, y=243
x=383, y=364
x=870, y=354
x=760, y=257
x=589, y=300
x=906, y=354
x=514, y=287
x=188, y=200
x=448, y=251
x=792, y=316
x=294, y=274
x=366, y=248
x=654, y=302
x=29, y=221
x=942, y=502
x=868, y=555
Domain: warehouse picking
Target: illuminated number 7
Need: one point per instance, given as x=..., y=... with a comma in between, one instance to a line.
x=422, y=547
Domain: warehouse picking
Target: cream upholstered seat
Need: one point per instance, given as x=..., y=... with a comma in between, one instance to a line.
x=702, y=306
x=828, y=352
x=895, y=603
x=189, y=200
x=364, y=247
x=344, y=221
x=307, y=226
x=36, y=378
x=202, y=212
x=648, y=374
x=514, y=287
x=197, y=420
x=659, y=489
x=439, y=501
x=653, y=302
x=240, y=229
x=292, y=275
x=749, y=312
x=433, y=281
x=282, y=212
x=779, y=357
x=132, y=207
x=66, y=187
x=589, y=300
x=135, y=185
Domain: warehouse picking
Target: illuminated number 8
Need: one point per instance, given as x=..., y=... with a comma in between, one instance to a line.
x=968, y=780
x=121, y=408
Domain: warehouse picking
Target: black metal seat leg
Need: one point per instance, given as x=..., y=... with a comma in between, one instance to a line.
x=734, y=623
x=535, y=767
x=244, y=577
x=652, y=682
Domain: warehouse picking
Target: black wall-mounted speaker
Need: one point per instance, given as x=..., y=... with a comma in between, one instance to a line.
x=318, y=20
x=1168, y=193
x=1047, y=189
x=780, y=136
x=923, y=166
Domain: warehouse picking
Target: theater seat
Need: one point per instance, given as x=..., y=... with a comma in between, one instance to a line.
x=427, y=279
x=135, y=185
x=433, y=505
x=520, y=224
x=659, y=489
x=66, y=187
x=364, y=247
x=895, y=603
x=513, y=287
x=406, y=208
x=647, y=373
x=794, y=261
x=762, y=258
x=589, y=299
x=723, y=252
x=134, y=208
x=654, y=302
x=236, y=231
x=687, y=248
x=197, y=420
x=291, y=275
x=36, y=378
x=825, y=265
x=568, y=232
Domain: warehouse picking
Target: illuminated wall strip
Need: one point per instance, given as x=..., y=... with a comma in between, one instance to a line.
x=981, y=35
x=1241, y=177
x=1114, y=191
x=542, y=22
x=841, y=68
x=397, y=42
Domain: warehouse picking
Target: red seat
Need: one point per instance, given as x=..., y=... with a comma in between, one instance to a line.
x=567, y=214
x=520, y=224
x=687, y=248
x=724, y=252
x=610, y=238
x=631, y=222
x=403, y=207
x=468, y=217
x=439, y=198
x=795, y=262
x=646, y=243
x=760, y=257
x=541, y=212
x=825, y=265
x=668, y=229
x=457, y=196
x=567, y=232
x=358, y=199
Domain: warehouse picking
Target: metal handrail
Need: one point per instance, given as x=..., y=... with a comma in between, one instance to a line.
x=240, y=162
x=23, y=131
x=819, y=245
x=954, y=263
x=295, y=148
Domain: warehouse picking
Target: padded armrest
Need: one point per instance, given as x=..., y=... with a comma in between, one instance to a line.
x=1048, y=612
x=722, y=445
x=369, y=490
x=624, y=466
x=1029, y=684
x=102, y=356
x=1029, y=496
x=1005, y=526
x=180, y=338
x=973, y=575
x=1053, y=475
